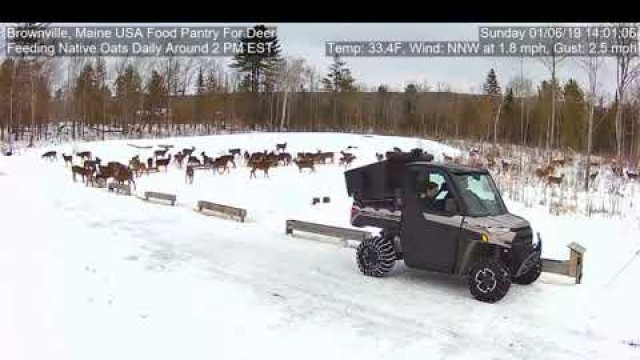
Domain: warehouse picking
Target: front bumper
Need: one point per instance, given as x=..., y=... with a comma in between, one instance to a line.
x=530, y=260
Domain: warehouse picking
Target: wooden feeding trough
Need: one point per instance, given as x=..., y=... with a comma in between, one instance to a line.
x=572, y=267
x=343, y=234
x=160, y=196
x=231, y=211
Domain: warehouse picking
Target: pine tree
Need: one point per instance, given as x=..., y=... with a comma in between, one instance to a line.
x=128, y=87
x=573, y=131
x=258, y=66
x=508, y=115
x=84, y=92
x=410, y=102
x=156, y=94
x=201, y=92
x=491, y=86
x=339, y=78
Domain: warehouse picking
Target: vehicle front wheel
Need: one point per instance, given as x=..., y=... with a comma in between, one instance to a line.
x=530, y=276
x=489, y=281
x=375, y=256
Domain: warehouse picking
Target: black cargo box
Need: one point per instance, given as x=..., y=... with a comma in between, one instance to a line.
x=380, y=180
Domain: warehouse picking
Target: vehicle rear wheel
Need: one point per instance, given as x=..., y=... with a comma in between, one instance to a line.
x=530, y=276
x=489, y=281
x=376, y=256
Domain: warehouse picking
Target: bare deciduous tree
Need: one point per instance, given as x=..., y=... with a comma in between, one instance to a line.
x=591, y=66
x=290, y=78
x=627, y=69
x=551, y=63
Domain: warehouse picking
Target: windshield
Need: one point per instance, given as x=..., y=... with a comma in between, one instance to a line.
x=480, y=194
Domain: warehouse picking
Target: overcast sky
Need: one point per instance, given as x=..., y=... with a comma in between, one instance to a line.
x=464, y=74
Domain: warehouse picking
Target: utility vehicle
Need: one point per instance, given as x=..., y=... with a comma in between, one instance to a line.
x=444, y=218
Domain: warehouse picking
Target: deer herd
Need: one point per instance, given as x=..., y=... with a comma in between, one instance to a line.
x=550, y=173
x=92, y=171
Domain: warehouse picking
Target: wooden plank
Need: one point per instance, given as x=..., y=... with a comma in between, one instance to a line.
x=224, y=209
x=326, y=230
x=555, y=266
x=161, y=196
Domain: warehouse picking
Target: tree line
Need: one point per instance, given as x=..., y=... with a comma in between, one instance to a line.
x=46, y=97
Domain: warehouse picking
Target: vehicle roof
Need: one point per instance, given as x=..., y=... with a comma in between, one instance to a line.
x=450, y=167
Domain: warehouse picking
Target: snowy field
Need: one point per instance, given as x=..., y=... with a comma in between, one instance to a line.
x=87, y=274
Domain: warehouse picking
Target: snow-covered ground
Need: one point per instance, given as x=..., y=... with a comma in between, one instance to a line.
x=87, y=274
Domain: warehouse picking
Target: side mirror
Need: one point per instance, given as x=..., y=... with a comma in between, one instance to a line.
x=451, y=206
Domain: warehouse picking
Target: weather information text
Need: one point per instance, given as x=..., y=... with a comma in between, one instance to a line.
x=506, y=41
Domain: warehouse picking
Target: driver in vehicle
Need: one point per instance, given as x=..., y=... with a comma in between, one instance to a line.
x=428, y=197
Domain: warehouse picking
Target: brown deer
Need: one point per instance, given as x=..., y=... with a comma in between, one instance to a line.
x=125, y=174
x=220, y=165
x=189, y=175
x=84, y=154
x=554, y=180
x=79, y=170
x=141, y=168
x=93, y=164
x=261, y=165
x=542, y=173
x=160, y=153
x=506, y=166
x=206, y=160
x=68, y=159
x=179, y=158
x=323, y=156
x=229, y=158
x=346, y=160
x=235, y=152
x=193, y=160
x=188, y=152
x=282, y=147
x=50, y=155
x=163, y=162
x=104, y=173
x=105, y=170
x=285, y=158
x=305, y=163
x=256, y=157
x=272, y=157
